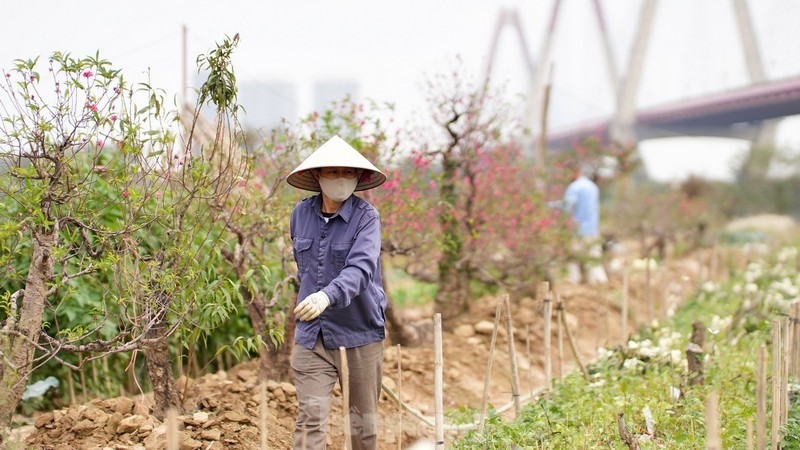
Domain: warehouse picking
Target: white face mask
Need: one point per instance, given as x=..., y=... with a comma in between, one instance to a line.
x=338, y=189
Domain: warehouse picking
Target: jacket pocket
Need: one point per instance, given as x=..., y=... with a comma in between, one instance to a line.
x=302, y=253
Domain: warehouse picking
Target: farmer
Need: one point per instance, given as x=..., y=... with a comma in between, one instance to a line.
x=337, y=242
x=582, y=201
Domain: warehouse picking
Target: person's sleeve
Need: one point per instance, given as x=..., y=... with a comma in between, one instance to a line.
x=570, y=198
x=360, y=265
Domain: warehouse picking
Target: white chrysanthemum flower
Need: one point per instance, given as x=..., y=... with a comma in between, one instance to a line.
x=604, y=353
x=751, y=288
x=676, y=357
x=631, y=363
x=598, y=383
x=737, y=288
x=709, y=286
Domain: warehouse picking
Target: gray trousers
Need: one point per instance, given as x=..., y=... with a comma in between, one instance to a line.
x=315, y=374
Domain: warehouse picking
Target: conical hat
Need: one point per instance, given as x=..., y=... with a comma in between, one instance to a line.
x=335, y=153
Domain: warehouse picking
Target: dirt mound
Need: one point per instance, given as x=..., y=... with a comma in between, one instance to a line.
x=223, y=408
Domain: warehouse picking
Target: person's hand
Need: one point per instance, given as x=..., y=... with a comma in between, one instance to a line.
x=312, y=306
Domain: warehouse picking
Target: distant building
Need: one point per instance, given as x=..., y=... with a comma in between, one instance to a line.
x=267, y=103
x=328, y=91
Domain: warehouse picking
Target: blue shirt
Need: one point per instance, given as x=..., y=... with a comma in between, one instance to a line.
x=582, y=199
x=341, y=257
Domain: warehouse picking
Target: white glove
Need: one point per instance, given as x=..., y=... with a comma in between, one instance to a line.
x=312, y=306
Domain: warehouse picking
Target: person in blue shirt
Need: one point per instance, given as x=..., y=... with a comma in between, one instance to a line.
x=582, y=201
x=336, y=240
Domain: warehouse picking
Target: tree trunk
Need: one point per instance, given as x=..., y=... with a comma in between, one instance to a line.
x=452, y=299
x=159, y=367
x=274, y=362
x=18, y=348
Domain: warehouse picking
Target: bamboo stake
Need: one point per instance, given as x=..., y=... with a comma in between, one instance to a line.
x=95, y=378
x=713, y=275
x=107, y=376
x=749, y=437
x=786, y=345
x=399, y=400
x=776, y=382
x=795, y=335
x=712, y=422
x=438, y=363
x=263, y=423
x=572, y=344
x=71, y=387
x=560, y=332
x=345, y=382
x=761, y=399
x=82, y=374
x=606, y=322
x=548, y=317
x=649, y=291
x=172, y=429
x=528, y=355
x=513, y=356
x=487, y=376
x=625, y=304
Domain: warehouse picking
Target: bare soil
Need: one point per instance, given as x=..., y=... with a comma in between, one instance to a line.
x=223, y=408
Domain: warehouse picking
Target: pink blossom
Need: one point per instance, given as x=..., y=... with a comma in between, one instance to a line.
x=391, y=184
x=113, y=117
x=126, y=194
x=100, y=143
x=92, y=106
x=88, y=73
x=117, y=90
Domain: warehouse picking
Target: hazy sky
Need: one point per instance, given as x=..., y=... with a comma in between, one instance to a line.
x=390, y=47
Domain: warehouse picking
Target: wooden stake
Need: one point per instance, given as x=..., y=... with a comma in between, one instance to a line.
x=625, y=304
x=71, y=387
x=572, y=344
x=776, y=382
x=438, y=362
x=749, y=437
x=95, y=378
x=84, y=392
x=487, y=376
x=713, y=271
x=786, y=345
x=263, y=422
x=528, y=355
x=548, y=318
x=712, y=422
x=513, y=356
x=794, y=334
x=560, y=333
x=172, y=429
x=761, y=399
x=107, y=377
x=345, y=382
x=399, y=400
x=649, y=291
